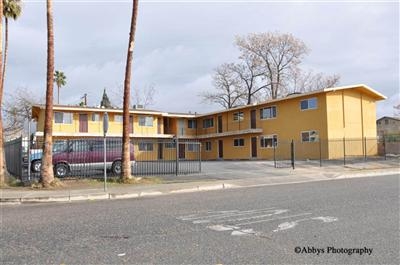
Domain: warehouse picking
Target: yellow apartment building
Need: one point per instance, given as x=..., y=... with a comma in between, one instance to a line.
x=316, y=121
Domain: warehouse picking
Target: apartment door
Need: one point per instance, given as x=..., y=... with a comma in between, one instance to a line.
x=83, y=123
x=181, y=151
x=130, y=124
x=253, y=147
x=220, y=124
x=220, y=149
x=253, y=124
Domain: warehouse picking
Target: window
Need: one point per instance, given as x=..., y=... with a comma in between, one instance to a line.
x=146, y=121
x=145, y=146
x=238, y=142
x=193, y=147
x=208, y=123
x=309, y=136
x=208, y=146
x=79, y=146
x=118, y=118
x=268, y=113
x=269, y=141
x=386, y=122
x=95, y=117
x=63, y=117
x=310, y=103
x=238, y=116
x=192, y=124
x=170, y=145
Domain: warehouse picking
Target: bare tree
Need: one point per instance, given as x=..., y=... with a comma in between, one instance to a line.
x=228, y=93
x=144, y=96
x=17, y=111
x=306, y=81
x=279, y=54
x=249, y=75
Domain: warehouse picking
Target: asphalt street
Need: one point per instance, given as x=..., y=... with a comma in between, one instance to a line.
x=347, y=221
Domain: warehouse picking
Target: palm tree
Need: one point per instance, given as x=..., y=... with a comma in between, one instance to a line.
x=2, y=157
x=126, y=167
x=47, y=159
x=11, y=9
x=61, y=80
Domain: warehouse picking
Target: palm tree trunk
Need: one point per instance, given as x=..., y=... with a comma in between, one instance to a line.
x=47, y=159
x=3, y=169
x=5, y=50
x=126, y=165
x=58, y=95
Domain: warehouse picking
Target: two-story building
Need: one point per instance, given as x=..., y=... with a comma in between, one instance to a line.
x=317, y=120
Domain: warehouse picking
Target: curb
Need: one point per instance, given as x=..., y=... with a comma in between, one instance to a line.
x=197, y=188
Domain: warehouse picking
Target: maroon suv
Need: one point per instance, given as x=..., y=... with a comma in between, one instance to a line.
x=89, y=155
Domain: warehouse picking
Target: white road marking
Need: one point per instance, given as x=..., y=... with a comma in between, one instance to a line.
x=243, y=232
x=326, y=219
x=279, y=211
x=222, y=227
x=289, y=225
x=224, y=214
x=273, y=219
x=202, y=221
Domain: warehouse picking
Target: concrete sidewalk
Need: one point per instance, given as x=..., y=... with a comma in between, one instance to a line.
x=215, y=176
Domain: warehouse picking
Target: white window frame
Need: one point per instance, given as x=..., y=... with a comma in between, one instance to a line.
x=237, y=142
x=308, y=104
x=118, y=118
x=313, y=136
x=144, y=147
x=269, y=137
x=271, y=112
x=238, y=116
x=146, y=121
x=192, y=124
x=192, y=147
x=95, y=117
x=208, y=146
x=64, y=117
x=206, y=124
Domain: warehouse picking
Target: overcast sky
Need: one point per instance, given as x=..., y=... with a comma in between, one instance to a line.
x=179, y=43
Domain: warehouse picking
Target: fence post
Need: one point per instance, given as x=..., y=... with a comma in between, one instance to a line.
x=177, y=156
x=292, y=152
x=365, y=148
x=199, y=157
x=320, y=153
x=344, y=151
x=274, y=154
x=384, y=146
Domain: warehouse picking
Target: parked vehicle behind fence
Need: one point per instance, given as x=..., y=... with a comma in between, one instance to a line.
x=85, y=154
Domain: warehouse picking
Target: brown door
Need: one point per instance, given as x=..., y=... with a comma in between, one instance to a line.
x=219, y=124
x=130, y=124
x=253, y=146
x=253, y=119
x=220, y=149
x=181, y=151
x=83, y=123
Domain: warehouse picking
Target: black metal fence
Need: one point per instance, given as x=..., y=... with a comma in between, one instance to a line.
x=335, y=151
x=82, y=158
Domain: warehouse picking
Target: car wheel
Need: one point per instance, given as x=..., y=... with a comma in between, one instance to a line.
x=116, y=167
x=61, y=170
x=36, y=165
